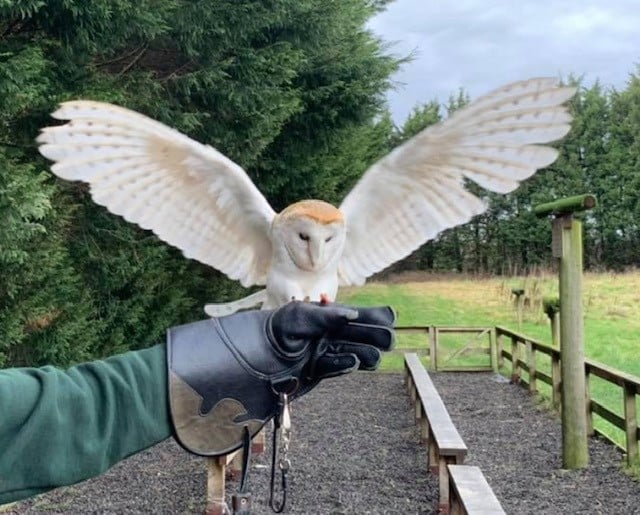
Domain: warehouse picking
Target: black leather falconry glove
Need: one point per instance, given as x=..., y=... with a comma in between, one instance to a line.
x=227, y=373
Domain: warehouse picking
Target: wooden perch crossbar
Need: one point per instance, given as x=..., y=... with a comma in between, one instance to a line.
x=565, y=206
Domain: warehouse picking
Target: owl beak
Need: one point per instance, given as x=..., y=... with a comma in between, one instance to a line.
x=315, y=253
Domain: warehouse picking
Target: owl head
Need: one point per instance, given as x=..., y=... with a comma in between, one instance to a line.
x=311, y=234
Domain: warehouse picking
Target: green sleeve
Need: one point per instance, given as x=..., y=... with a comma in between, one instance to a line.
x=58, y=427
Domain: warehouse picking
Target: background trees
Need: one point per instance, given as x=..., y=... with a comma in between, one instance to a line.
x=289, y=89
x=293, y=90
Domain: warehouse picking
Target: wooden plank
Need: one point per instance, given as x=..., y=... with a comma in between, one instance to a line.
x=484, y=351
x=470, y=487
x=412, y=328
x=445, y=433
x=423, y=351
x=470, y=368
x=612, y=375
x=537, y=345
x=463, y=330
x=606, y=437
x=544, y=377
x=607, y=414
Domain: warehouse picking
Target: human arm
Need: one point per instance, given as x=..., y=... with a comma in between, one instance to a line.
x=58, y=427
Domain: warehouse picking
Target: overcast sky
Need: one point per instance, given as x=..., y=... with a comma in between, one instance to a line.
x=482, y=44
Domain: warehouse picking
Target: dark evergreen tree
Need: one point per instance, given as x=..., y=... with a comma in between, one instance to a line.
x=288, y=89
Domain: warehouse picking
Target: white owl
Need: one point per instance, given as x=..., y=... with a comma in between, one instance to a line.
x=194, y=198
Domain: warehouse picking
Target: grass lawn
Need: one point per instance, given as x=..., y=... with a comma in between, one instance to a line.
x=611, y=309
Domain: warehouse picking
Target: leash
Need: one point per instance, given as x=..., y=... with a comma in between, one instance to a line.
x=241, y=500
x=283, y=429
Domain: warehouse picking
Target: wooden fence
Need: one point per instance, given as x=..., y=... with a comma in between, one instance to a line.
x=521, y=352
x=441, y=363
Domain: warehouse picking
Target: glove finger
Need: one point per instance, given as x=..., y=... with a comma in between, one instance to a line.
x=379, y=315
x=331, y=365
x=380, y=337
x=369, y=357
x=308, y=321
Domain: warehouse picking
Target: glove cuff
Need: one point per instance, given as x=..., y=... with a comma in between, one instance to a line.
x=214, y=390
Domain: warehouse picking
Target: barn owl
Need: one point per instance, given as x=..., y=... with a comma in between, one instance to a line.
x=196, y=199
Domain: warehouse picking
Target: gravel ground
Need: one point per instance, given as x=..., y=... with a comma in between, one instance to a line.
x=355, y=450
x=519, y=447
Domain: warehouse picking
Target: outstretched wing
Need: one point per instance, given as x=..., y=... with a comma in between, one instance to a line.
x=188, y=194
x=417, y=190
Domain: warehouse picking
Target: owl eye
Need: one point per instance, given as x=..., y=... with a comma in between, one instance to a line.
x=327, y=240
x=303, y=236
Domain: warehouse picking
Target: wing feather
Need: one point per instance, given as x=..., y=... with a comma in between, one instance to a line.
x=417, y=190
x=188, y=194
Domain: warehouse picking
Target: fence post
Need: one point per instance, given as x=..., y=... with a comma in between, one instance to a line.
x=531, y=363
x=567, y=246
x=494, y=350
x=555, y=380
x=433, y=348
x=519, y=293
x=631, y=422
x=551, y=307
x=515, y=361
x=587, y=401
x=500, y=345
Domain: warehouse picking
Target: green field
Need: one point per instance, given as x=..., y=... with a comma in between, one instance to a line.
x=611, y=308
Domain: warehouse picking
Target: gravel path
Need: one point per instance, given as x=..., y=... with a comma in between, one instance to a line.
x=355, y=450
x=518, y=447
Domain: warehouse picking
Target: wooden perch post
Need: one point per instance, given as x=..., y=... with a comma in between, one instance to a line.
x=551, y=307
x=567, y=246
x=519, y=293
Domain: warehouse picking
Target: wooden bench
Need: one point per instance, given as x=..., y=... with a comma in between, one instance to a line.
x=470, y=492
x=444, y=443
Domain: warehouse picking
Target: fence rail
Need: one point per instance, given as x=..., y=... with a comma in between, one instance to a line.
x=521, y=351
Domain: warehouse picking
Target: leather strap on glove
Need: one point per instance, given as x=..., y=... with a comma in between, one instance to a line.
x=226, y=373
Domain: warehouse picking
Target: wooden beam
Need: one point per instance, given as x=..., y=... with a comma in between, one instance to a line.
x=216, y=504
x=566, y=205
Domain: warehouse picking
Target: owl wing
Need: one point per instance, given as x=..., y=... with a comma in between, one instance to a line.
x=417, y=190
x=189, y=194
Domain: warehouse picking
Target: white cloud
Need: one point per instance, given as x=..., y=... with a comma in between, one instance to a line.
x=482, y=44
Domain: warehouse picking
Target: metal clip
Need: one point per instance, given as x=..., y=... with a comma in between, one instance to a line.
x=283, y=430
x=285, y=435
